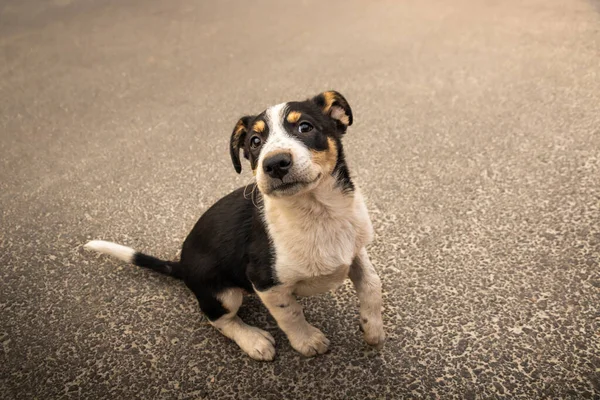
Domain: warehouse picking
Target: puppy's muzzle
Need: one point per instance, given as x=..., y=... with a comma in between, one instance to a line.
x=277, y=165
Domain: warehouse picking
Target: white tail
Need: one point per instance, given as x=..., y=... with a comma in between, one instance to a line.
x=112, y=249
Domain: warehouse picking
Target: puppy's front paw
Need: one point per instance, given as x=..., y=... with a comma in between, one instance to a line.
x=258, y=344
x=373, y=332
x=309, y=342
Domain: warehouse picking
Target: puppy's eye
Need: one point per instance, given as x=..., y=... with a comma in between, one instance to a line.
x=255, y=142
x=305, y=127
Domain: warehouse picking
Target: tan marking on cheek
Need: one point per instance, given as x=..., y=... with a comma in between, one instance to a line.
x=326, y=158
x=259, y=126
x=293, y=117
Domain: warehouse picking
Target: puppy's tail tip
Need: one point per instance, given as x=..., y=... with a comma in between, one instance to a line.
x=121, y=252
x=131, y=256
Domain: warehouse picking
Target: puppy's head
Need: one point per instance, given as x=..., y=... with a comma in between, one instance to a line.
x=293, y=146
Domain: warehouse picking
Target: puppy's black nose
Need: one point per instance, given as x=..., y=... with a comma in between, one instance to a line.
x=276, y=166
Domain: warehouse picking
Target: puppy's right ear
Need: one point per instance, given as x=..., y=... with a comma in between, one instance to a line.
x=237, y=141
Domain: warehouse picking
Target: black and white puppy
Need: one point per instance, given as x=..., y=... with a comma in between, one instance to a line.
x=300, y=229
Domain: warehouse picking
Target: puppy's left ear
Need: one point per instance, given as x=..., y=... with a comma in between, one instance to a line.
x=238, y=136
x=334, y=105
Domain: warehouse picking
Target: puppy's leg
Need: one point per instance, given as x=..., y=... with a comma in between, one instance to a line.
x=221, y=311
x=368, y=287
x=304, y=338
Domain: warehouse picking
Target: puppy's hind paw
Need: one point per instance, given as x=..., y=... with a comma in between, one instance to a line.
x=374, y=334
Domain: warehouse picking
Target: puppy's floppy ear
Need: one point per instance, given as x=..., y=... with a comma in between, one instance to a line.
x=335, y=106
x=237, y=141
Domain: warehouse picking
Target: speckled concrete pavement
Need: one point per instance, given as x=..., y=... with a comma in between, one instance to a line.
x=476, y=142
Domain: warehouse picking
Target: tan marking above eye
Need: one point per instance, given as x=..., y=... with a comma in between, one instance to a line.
x=259, y=126
x=293, y=117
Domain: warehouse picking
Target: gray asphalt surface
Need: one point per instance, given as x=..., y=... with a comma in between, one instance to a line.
x=476, y=142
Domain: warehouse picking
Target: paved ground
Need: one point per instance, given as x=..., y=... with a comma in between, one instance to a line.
x=476, y=141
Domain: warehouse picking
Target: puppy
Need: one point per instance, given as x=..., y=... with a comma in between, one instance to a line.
x=299, y=230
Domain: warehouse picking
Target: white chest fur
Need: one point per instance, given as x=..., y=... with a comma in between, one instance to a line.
x=316, y=236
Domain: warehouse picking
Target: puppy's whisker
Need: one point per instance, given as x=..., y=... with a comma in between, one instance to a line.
x=254, y=197
x=246, y=187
